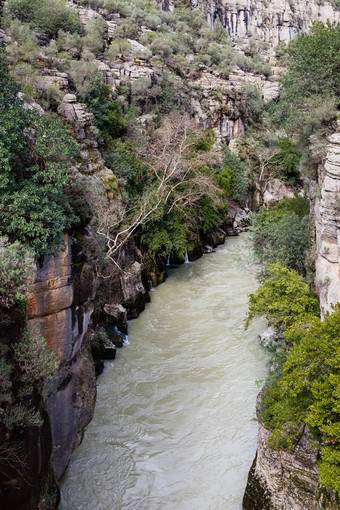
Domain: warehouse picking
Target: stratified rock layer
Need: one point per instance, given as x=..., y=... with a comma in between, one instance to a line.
x=271, y=21
x=286, y=480
x=327, y=226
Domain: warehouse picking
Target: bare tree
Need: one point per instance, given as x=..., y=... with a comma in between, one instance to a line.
x=262, y=161
x=179, y=175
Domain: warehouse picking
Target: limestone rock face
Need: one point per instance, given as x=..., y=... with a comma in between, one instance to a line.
x=51, y=305
x=286, y=480
x=60, y=305
x=217, y=101
x=271, y=21
x=84, y=132
x=327, y=226
x=275, y=191
x=71, y=407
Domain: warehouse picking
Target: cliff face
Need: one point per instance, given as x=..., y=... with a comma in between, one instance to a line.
x=327, y=226
x=286, y=480
x=289, y=480
x=272, y=21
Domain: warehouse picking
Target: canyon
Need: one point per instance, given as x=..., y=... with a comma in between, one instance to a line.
x=83, y=313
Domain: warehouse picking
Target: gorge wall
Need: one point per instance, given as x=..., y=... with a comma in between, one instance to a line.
x=327, y=226
x=272, y=21
x=281, y=480
x=286, y=480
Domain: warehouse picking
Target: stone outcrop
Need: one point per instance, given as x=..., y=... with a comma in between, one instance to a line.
x=286, y=480
x=271, y=21
x=327, y=226
x=60, y=305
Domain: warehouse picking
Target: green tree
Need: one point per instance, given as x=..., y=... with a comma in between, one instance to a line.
x=281, y=234
x=309, y=391
x=35, y=154
x=48, y=16
x=106, y=111
x=15, y=265
x=283, y=298
x=311, y=80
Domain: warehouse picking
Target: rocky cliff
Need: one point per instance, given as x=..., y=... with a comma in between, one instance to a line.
x=282, y=479
x=327, y=225
x=286, y=480
x=272, y=21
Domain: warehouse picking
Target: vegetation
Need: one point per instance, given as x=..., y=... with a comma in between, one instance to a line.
x=303, y=384
x=25, y=368
x=46, y=16
x=175, y=175
x=35, y=154
x=15, y=262
x=281, y=234
x=283, y=298
x=310, y=89
x=168, y=179
x=308, y=392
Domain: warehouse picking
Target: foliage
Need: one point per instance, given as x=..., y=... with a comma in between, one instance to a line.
x=25, y=368
x=283, y=298
x=309, y=391
x=128, y=168
x=176, y=173
x=96, y=30
x=49, y=16
x=174, y=94
x=288, y=159
x=232, y=178
x=281, y=233
x=106, y=112
x=210, y=214
x=35, y=153
x=15, y=262
x=166, y=236
x=85, y=76
x=310, y=82
x=252, y=104
x=255, y=63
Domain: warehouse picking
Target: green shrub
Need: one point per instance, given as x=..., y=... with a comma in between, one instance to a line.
x=166, y=236
x=252, y=105
x=281, y=234
x=283, y=298
x=118, y=48
x=96, y=32
x=210, y=214
x=85, y=76
x=106, y=112
x=31, y=365
x=128, y=168
x=310, y=88
x=308, y=392
x=72, y=43
x=49, y=16
x=35, y=154
x=288, y=159
x=15, y=270
x=236, y=176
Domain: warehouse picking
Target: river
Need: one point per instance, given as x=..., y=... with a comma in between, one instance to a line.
x=174, y=424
